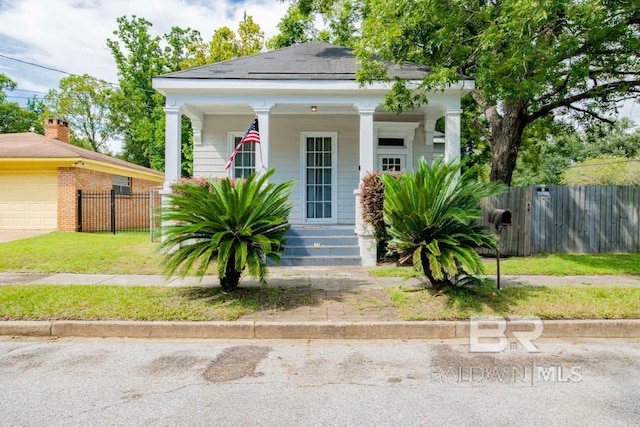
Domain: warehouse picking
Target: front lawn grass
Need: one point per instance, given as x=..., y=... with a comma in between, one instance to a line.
x=92, y=253
x=100, y=302
x=557, y=302
x=568, y=264
x=547, y=264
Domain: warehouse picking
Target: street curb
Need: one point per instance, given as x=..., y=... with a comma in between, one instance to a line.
x=303, y=330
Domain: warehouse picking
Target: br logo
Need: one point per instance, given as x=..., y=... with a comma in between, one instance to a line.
x=488, y=334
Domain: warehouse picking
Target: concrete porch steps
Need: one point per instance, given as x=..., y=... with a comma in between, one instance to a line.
x=321, y=245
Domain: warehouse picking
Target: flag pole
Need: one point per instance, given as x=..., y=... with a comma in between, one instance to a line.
x=260, y=146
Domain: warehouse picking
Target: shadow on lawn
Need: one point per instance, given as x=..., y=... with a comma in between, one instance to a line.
x=486, y=298
x=331, y=297
x=254, y=298
x=474, y=299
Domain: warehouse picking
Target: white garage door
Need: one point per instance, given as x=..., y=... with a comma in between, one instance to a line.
x=28, y=202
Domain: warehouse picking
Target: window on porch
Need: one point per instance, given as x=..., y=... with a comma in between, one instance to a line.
x=244, y=163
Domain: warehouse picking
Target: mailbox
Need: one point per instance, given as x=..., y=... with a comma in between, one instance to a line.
x=500, y=218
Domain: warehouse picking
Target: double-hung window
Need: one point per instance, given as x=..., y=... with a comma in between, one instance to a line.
x=244, y=163
x=121, y=185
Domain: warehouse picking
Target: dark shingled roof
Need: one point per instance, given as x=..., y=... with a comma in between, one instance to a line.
x=307, y=61
x=33, y=145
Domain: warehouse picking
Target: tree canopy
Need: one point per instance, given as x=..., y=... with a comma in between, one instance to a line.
x=605, y=169
x=13, y=117
x=84, y=102
x=530, y=59
x=548, y=159
x=137, y=110
x=226, y=44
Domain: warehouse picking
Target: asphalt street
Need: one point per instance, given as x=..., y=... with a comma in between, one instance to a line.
x=119, y=382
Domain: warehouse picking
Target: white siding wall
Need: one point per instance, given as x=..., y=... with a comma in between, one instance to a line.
x=438, y=149
x=284, y=153
x=210, y=158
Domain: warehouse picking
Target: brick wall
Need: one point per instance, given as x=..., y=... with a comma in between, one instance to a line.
x=67, y=199
x=131, y=212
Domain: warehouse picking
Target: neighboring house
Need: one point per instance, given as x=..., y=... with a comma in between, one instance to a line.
x=40, y=177
x=317, y=126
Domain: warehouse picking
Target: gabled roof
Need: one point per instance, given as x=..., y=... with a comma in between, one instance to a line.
x=30, y=145
x=307, y=61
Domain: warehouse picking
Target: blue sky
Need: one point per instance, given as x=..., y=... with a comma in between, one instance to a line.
x=70, y=35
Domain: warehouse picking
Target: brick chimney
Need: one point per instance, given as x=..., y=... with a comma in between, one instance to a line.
x=56, y=128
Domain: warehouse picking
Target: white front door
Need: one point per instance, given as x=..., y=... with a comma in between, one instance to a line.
x=319, y=176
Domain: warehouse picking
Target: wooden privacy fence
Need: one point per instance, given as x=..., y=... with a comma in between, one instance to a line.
x=572, y=219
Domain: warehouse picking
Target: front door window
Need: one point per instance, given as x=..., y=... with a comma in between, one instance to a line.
x=391, y=163
x=320, y=185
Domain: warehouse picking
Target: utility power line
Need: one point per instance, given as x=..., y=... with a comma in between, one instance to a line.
x=24, y=97
x=26, y=90
x=63, y=72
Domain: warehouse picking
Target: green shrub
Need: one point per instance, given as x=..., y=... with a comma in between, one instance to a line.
x=372, y=201
x=237, y=225
x=431, y=216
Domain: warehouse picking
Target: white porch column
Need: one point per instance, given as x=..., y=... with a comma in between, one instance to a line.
x=367, y=143
x=366, y=237
x=452, y=135
x=262, y=152
x=172, y=157
x=429, y=128
x=172, y=148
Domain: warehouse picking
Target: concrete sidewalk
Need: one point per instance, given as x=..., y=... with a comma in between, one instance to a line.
x=337, y=278
x=343, y=302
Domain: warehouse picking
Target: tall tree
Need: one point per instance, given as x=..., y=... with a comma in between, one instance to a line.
x=298, y=25
x=137, y=109
x=138, y=58
x=546, y=160
x=604, y=170
x=13, y=117
x=295, y=27
x=84, y=102
x=226, y=44
x=529, y=59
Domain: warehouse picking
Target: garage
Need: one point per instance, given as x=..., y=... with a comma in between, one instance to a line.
x=28, y=201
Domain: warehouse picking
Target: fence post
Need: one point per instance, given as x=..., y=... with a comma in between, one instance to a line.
x=113, y=212
x=79, y=211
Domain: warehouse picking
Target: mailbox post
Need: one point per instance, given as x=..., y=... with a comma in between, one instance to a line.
x=500, y=218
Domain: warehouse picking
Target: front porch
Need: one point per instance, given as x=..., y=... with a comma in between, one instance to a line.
x=324, y=131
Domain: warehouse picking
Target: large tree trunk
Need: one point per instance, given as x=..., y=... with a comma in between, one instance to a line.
x=507, y=124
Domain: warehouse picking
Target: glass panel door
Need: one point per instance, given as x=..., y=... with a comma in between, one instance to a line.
x=318, y=168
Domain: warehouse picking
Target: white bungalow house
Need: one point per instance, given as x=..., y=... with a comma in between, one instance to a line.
x=317, y=126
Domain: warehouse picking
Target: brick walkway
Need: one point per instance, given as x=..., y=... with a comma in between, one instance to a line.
x=333, y=305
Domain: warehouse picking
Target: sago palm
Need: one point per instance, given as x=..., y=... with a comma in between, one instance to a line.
x=235, y=225
x=431, y=216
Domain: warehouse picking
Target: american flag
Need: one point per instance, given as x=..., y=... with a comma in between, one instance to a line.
x=251, y=135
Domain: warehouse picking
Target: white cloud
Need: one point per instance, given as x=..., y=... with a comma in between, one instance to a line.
x=71, y=35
